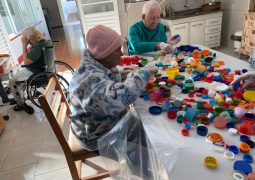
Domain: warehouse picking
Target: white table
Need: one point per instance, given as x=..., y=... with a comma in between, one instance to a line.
x=182, y=157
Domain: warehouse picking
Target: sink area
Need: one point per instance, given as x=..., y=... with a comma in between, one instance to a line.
x=188, y=13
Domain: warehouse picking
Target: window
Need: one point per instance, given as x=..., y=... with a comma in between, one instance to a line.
x=17, y=14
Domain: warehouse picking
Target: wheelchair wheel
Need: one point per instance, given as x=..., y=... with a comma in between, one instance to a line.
x=64, y=70
x=37, y=83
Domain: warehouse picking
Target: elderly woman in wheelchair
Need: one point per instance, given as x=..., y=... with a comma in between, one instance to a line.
x=34, y=63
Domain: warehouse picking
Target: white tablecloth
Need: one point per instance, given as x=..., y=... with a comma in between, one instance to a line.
x=183, y=157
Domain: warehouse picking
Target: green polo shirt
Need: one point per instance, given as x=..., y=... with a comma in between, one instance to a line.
x=142, y=39
x=36, y=54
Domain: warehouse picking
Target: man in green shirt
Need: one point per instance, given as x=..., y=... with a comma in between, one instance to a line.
x=149, y=34
x=35, y=58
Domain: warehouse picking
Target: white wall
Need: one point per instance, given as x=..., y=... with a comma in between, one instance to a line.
x=233, y=19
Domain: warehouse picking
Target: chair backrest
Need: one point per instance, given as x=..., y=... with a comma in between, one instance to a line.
x=56, y=109
x=49, y=57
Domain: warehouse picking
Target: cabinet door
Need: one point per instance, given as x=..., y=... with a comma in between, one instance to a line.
x=183, y=31
x=197, y=30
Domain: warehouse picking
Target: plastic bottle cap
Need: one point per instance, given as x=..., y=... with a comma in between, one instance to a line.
x=210, y=162
x=229, y=155
x=162, y=83
x=250, y=143
x=234, y=149
x=215, y=137
x=202, y=130
x=248, y=158
x=185, y=132
x=251, y=176
x=244, y=138
x=243, y=166
x=155, y=110
x=244, y=147
x=220, y=122
x=232, y=131
x=171, y=114
x=238, y=176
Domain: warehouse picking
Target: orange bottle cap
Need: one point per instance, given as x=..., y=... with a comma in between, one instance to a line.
x=215, y=137
x=244, y=147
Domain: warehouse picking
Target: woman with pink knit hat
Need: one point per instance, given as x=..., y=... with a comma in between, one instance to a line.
x=99, y=96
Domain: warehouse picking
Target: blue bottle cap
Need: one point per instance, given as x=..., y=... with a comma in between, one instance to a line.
x=155, y=110
x=164, y=78
x=177, y=36
x=196, y=78
x=228, y=69
x=201, y=89
x=204, y=96
x=243, y=166
x=248, y=158
x=166, y=105
x=202, y=130
x=177, y=103
x=230, y=125
x=187, y=125
x=236, y=87
x=244, y=138
x=188, y=81
x=216, y=78
x=249, y=115
x=234, y=149
x=146, y=97
x=182, y=69
x=244, y=70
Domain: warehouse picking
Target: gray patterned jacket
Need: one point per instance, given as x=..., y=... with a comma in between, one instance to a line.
x=99, y=99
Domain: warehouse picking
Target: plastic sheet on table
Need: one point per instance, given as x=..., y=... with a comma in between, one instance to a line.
x=128, y=153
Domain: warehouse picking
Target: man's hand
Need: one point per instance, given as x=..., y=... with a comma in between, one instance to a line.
x=167, y=48
x=246, y=79
x=175, y=39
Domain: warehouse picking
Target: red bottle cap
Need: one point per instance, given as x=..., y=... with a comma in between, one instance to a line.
x=185, y=132
x=171, y=114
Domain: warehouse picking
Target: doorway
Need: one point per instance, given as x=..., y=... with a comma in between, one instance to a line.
x=68, y=11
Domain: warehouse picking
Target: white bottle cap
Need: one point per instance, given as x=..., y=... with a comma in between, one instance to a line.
x=232, y=131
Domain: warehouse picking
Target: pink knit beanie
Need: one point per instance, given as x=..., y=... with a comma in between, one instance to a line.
x=102, y=41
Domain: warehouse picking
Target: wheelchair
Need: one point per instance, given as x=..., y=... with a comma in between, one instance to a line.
x=36, y=83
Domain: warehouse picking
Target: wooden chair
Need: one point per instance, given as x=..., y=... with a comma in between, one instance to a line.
x=56, y=109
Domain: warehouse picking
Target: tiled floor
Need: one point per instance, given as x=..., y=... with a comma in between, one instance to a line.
x=29, y=149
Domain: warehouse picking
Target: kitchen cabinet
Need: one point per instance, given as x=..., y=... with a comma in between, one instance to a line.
x=196, y=29
x=202, y=29
x=183, y=31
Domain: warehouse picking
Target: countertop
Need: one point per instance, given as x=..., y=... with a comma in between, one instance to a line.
x=189, y=13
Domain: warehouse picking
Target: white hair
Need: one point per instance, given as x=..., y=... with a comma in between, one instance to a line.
x=149, y=5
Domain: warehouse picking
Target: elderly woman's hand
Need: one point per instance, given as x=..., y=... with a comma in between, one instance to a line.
x=246, y=79
x=24, y=41
x=126, y=69
x=151, y=67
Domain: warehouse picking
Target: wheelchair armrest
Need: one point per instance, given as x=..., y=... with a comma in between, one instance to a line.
x=43, y=68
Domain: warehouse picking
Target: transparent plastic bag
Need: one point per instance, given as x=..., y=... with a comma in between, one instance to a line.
x=128, y=154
